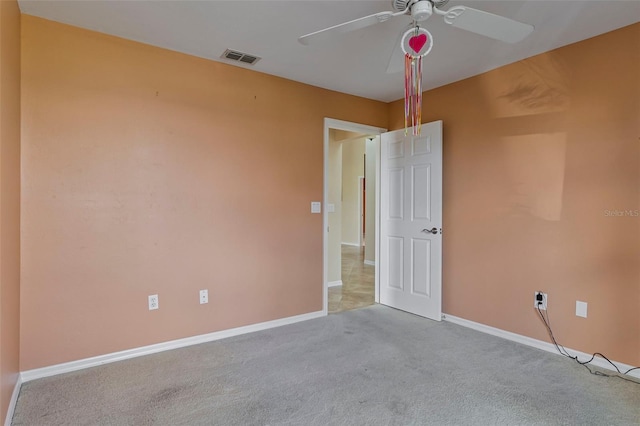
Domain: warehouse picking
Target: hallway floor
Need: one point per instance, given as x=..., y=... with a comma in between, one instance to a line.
x=358, y=285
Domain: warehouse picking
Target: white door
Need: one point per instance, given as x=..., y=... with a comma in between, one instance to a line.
x=411, y=221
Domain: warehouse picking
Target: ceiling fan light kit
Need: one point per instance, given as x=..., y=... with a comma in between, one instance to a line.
x=421, y=11
x=417, y=41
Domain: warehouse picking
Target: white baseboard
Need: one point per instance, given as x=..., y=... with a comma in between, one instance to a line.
x=67, y=367
x=351, y=244
x=12, y=402
x=334, y=283
x=370, y=262
x=539, y=344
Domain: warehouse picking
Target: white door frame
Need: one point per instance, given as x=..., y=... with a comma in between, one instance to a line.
x=331, y=123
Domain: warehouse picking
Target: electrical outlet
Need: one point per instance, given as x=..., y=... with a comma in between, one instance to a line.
x=153, y=302
x=536, y=304
x=204, y=296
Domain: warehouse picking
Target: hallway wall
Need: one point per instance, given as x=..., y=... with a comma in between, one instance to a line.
x=352, y=168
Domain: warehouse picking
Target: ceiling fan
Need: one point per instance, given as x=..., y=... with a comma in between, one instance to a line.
x=476, y=21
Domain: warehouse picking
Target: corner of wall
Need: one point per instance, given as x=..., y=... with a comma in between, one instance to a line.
x=9, y=204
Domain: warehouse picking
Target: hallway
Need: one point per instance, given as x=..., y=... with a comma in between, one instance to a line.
x=358, y=282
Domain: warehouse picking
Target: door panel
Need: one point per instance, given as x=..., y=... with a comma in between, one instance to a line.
x=396, y=262
x=411, y=205
x=421, y=262
x=421, y=209
x=396, y=194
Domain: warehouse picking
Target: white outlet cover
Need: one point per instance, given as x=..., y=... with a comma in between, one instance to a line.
x=581, y=309
x=154, y=302
x=316, y=207
x=204, y=296
x=543, y=306
x=331, y=208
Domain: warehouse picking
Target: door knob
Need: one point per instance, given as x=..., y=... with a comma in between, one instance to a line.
x=433, y=231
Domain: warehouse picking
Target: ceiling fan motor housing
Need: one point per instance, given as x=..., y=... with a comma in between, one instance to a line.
x=421, y=11
x=400, y=5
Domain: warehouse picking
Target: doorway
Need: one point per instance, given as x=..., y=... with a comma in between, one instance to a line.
x=350, y=277
x=411, y=227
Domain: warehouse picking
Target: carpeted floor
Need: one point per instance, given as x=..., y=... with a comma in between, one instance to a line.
x=372, y=366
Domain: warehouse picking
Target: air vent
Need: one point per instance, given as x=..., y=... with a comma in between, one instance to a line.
x=234, y=55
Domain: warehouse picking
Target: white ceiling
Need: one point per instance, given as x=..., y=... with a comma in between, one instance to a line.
x=353, y=63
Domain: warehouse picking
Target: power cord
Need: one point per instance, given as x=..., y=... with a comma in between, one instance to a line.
x=565, y=353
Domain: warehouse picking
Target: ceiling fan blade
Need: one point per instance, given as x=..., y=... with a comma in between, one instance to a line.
x=396, y=60
x=487, y=24
x=346, y=27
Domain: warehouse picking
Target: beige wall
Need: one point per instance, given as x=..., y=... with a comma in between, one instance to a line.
x=9, y=201
x=352, y=169
x=534, y=154
x=335, y=217
x=342, y=135
x=148, y=171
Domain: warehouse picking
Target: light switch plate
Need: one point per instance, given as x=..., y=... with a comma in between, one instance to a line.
x=316, y=207
x=581, y=309
x=331, y=208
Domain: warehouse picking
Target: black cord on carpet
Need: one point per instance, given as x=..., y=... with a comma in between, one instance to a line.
x=564, y=352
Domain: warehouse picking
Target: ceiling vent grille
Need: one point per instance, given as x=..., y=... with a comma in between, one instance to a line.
x=234, y=55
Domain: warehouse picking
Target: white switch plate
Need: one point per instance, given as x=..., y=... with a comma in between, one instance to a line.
x=153, y=302
x=316, y=207
x=204, y=296
x=581, y=309
x=331, y=208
